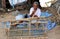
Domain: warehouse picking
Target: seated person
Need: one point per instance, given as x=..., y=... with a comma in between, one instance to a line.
x=35, y=10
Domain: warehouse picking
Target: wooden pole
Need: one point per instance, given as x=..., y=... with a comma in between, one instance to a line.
x=3, y=4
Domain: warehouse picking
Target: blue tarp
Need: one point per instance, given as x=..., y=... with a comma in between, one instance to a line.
x=46, y=14
x=50, y=25
x=20, y=16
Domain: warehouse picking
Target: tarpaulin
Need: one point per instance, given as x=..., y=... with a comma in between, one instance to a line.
x=51, y=25
x=46, y=14
x=14, y=2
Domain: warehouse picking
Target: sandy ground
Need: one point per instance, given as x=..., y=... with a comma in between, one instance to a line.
x=53, y=34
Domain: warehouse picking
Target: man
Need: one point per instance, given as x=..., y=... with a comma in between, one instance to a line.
x=35, y=11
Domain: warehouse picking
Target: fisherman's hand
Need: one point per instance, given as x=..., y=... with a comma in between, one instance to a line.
x=34, y=11
x=35, y=16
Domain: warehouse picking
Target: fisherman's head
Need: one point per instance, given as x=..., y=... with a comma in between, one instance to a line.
x=35, y=5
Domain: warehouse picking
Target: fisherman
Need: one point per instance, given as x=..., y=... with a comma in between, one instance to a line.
x=35, y=10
